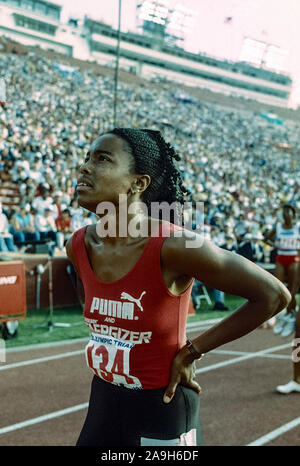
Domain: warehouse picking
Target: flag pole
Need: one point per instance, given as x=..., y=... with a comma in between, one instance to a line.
x=117, y=65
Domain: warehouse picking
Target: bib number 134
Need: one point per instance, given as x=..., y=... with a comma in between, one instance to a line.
x=111, y=362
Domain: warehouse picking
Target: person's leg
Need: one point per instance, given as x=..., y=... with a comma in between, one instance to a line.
x=195, y=292
x=10, y=244
x=279, y=319
x=3, y=247
x=279, y=272
x=60, y=240
x=293, y=386
x=147, y=421
x=102, y=423
x=43, y=235
x=219, y=297
x=53, y=236
x=50, y=236
x=32, y=236
x=296, y=352
x=293, y=284
x=19, y=237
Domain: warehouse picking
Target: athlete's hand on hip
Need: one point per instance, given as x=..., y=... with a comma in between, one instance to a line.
x=182, y=371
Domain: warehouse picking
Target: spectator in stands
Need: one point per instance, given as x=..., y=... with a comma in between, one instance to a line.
x=7, y=240
x=241, y=227
x=64, y=228
x=88, y=217
x=45, y=226
x=217, y=236
x=58, y=206
x=27, y=152
x=246, y=247
x=19, y=173
x=77, y=215
x=35, y=172
x=24, y=227
x=259, y=254
x=230, y=243
x=42, y=202
x=231, y=161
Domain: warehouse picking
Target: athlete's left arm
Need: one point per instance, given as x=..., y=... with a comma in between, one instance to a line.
x=226, y=271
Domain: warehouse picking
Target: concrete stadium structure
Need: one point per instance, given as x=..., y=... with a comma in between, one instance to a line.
x=38, y=23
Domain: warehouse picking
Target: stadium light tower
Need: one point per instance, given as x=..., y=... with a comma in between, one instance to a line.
x=275, y=57
x=253, y=51
x=181, y=21
x=153, y=16
x=263, y=54
x=165, y=20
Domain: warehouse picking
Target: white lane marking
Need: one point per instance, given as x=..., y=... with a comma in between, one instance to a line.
x=275, y=433
x=244, y=355
x=49, y=358
x=241, y=358
x=39, y=360
x=84, y=405
x=50, y=344
x=274, y=356
x=45, y=417
x=190, y=325
x=199, y=323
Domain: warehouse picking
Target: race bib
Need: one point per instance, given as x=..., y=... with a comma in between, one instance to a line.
x=288, y=243
x=109, y=358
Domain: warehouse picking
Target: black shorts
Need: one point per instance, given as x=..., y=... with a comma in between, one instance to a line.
x=120, y=416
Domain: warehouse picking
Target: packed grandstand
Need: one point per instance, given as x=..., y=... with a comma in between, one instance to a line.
x=241, y=164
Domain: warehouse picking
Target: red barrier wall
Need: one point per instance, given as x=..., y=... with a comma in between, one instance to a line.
x=64, y=294
x=12, y=291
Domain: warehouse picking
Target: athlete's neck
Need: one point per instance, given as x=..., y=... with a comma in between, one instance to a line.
x=288, y=225
x=116, y=230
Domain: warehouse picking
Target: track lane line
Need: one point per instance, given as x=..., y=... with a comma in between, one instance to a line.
x=50, y=358
x=45, y=417
x=275, y=433
x=202, y=324
x=244, y=356
x=274, y=356
x=241, y=358
x=39, y=360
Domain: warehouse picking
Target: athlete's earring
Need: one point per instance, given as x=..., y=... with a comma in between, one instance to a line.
x=134, y=192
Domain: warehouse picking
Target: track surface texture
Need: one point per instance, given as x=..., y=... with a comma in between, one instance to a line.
x=45, y=390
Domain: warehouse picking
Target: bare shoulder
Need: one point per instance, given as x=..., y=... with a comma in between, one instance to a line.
x=89, y=231
x=69, y=251
x=185, y=245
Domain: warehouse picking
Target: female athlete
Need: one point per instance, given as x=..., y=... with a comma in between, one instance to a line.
x=287, y=269
x=137, y=292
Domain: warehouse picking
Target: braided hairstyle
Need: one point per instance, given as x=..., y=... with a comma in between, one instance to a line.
x=155, y=157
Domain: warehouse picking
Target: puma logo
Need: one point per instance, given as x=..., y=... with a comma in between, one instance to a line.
x=134, y=300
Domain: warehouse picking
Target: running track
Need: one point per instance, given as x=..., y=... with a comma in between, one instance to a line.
x=45, y=389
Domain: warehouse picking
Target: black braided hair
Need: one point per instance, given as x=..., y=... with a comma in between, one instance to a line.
x=155, y=157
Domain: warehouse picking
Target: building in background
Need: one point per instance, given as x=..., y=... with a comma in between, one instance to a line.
x=154, y=55
x=33, y=22
x=165, y=21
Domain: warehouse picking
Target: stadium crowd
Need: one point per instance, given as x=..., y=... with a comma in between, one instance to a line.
x=231, y=159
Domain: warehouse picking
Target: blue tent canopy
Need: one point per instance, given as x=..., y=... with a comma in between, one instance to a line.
x=66, y=70
x=272, y=118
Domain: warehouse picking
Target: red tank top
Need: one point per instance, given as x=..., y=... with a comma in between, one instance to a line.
x=137, y=324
